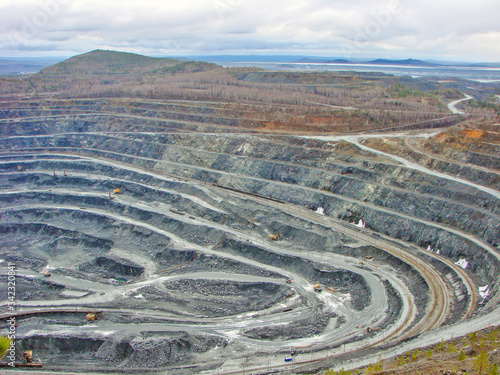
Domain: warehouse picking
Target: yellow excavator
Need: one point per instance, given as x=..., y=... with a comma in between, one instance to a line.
x=28, y=356
x=117, y=190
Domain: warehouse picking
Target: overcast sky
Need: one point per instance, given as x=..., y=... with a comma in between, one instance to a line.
x=427, y=29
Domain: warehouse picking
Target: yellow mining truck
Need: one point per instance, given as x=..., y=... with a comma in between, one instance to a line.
x=93, y=316
x=274, y=237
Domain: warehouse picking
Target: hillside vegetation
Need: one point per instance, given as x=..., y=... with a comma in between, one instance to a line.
x=108, y=62
x=282, y=101
x=476, y=353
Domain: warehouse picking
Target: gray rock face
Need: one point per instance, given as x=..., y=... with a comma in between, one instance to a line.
x=214, y=244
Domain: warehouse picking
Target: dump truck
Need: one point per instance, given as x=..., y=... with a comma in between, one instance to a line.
x=274, y=237
x=317, y=288
x=93, y=316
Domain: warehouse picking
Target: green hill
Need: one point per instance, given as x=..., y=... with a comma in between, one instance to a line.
x=101, y=62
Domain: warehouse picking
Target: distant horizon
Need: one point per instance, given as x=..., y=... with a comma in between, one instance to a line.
x=485, y=72
x=260, y=57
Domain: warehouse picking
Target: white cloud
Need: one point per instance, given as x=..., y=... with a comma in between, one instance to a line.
x=390, y=28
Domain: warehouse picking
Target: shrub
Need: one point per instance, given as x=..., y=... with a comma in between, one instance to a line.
x=472, y=338
x=428, y=354
x=492, y=335
x=401, y=360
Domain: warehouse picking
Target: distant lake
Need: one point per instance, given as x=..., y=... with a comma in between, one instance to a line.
x=480, y=74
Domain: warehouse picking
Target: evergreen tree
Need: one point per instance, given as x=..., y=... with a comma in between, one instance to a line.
x=481, y=363
x=493, y=369
x=4, y=345
x=461, y=356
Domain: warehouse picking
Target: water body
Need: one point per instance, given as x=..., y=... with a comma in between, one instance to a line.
x=478, y=74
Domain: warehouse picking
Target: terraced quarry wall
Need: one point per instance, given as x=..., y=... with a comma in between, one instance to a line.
x=211, y=253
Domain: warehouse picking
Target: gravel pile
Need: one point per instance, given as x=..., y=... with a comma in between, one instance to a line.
x=112, y=266
x=155, y=352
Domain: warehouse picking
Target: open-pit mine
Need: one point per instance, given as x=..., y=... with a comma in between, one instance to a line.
x=183, y=235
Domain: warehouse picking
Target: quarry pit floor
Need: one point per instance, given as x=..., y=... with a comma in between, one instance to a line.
x=218, y=253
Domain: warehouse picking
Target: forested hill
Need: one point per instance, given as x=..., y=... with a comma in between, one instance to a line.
x=112, y=62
